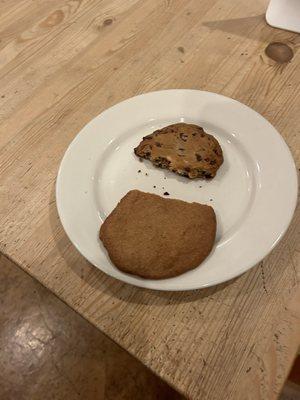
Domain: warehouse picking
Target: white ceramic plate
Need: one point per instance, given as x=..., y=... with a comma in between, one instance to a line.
x=284, y=14
x=253, y=194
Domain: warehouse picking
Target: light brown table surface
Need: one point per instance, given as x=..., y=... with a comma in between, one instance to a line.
x=62, y=63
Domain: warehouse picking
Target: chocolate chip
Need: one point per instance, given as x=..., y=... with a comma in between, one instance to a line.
x=183, y=136
x=182, y=173
x=161, y=162
x=199, y=158
x=213, y=162
x=181, y=149
x=166, y=194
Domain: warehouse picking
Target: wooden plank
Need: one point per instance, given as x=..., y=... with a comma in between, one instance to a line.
x=62, y=63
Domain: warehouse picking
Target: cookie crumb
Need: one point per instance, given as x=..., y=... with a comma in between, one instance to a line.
x=140, y=159
x=139, y=171
x=154, y=187
x=166, y=194
x=200, y=187
x=146, y=174
x=210, y=199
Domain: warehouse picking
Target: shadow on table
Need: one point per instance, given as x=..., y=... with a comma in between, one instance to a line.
x=244, y=27
x=160, y=298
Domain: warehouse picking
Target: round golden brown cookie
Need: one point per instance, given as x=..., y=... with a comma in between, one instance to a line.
x=156, y=238
x=184, y=149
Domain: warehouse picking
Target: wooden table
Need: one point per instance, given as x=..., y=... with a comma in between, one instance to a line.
x=65, y=61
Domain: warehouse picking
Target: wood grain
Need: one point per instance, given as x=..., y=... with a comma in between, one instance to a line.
x=62, y=63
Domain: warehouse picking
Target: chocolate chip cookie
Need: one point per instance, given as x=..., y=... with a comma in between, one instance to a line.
x=184, y=149
x=155, y=237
